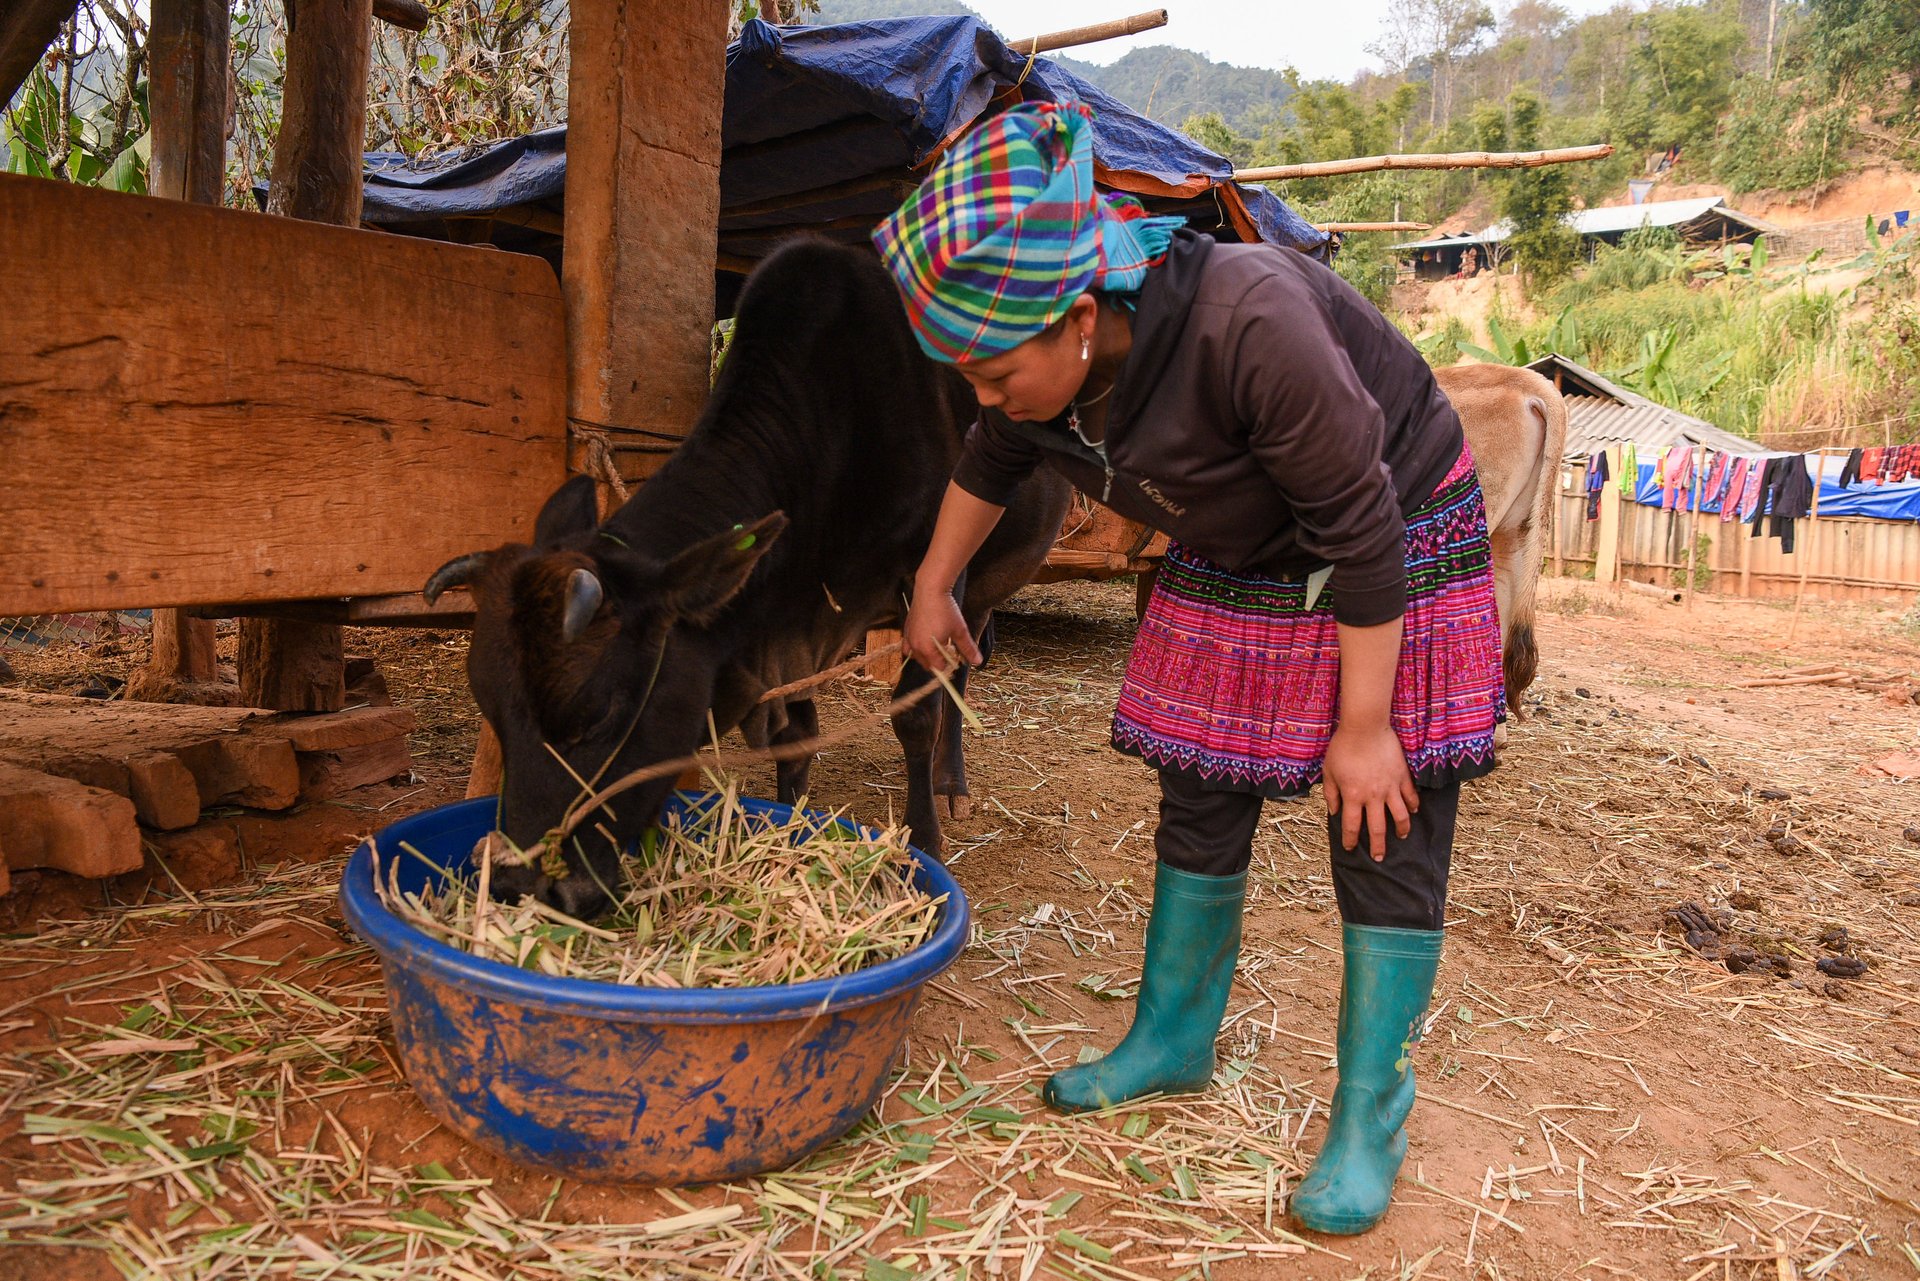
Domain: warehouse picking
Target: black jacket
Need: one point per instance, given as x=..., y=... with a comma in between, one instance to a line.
x=1267, y=416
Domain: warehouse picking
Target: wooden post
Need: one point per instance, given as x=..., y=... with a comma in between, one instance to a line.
x=317, y=160
x=1426, y=160
x=187, y=55
x=1696, y=458
x=644, y=89
x=1807, y=544
x=1606, y=556
x=643, y=212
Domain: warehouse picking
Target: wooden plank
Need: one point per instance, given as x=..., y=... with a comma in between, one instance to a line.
x=1606, y=566
x=55, y=822
x=319, y=411
x=642, y=212
x=172, y=761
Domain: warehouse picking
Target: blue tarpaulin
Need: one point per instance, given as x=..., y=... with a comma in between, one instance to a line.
x=817, y=119
x=1898, y=501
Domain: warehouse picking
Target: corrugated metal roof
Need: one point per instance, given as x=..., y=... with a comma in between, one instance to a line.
x=1606, y=220
x=1601, y=412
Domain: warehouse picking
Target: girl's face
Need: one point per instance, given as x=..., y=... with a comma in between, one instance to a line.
x=1034, y=381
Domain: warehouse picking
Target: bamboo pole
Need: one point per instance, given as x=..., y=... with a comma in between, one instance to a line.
x=1373, y=226
x=1428, y=160
x=1090, y=35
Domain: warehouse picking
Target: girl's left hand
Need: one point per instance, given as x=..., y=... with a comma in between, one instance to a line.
x=1365, y=776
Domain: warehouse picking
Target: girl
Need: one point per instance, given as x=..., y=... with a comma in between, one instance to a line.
x=1324, y=614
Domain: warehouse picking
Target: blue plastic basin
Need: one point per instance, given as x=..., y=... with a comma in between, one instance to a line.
x=611, y=1082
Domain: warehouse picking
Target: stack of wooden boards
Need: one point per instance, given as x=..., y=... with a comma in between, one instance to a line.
x=79, y=777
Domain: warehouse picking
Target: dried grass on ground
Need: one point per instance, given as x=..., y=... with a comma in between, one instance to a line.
x=192, y=1086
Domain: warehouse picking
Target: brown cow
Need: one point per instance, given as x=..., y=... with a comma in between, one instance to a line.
x=1516, y=422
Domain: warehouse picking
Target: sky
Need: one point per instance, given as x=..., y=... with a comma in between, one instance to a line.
x=1323, y=40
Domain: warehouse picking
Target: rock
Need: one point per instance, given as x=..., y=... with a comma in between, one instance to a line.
x=1907, y=1049
x=1911, y=835
x=1771, y=794
x=1841, y=967
x=1835, y=939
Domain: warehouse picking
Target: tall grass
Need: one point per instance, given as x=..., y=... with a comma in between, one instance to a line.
x=1778, y=362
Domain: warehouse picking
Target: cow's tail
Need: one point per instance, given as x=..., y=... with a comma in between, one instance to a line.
x=1522, y=654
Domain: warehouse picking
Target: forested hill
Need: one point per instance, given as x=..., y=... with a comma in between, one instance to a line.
x=1160, y=81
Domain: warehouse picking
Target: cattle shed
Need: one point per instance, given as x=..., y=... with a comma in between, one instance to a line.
x=1700, y=221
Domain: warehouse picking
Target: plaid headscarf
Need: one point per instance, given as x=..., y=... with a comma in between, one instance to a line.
x=1008, y=230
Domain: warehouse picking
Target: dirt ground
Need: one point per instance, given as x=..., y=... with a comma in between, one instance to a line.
x=199, y=1082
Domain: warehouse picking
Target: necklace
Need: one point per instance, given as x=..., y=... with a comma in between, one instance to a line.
x=1073, y=415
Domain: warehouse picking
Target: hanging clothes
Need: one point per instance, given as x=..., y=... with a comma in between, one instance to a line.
x=1629, y=472
x=1792, y=498
x=1850, y=470
x=1734, y=487
x=1870, y=464
x=1596, y=481
x=1718, y=468
x=1763, y=483
x=1676, y=474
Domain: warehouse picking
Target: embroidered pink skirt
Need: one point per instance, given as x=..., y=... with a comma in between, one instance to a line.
x=1235, y=681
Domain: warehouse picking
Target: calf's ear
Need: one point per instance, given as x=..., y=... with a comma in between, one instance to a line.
x=698, y=583
x=573, y=510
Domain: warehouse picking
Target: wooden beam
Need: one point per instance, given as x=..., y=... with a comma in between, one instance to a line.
x=27, y=27
x=187, y=49
x=1372, y=226
x=409, y=15
x=316, y=411
x=643, y=209
x=317, y=162
x=1426, y=160
x=1072, y=36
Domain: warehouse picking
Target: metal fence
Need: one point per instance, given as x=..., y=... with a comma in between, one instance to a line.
x=44, y=631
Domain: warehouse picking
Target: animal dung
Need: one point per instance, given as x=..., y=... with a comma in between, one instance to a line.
x=717, y=896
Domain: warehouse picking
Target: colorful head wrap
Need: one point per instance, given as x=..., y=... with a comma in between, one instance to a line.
x=1008, y=230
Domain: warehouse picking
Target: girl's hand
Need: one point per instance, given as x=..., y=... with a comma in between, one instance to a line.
x=1365, y=776
x=936, y=630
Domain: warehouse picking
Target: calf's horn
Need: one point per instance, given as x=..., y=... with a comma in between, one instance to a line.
x=455, y=573
x=583, y=602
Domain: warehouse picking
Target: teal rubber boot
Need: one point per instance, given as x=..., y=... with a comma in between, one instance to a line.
x=1193, y=941
x=1383, y=997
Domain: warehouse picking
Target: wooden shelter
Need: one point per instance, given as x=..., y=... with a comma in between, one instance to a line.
x=286, y=417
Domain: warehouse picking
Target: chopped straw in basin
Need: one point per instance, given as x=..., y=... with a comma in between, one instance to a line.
x=717, y=896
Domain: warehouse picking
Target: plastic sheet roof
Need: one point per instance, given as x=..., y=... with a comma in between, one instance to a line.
x=827, y=128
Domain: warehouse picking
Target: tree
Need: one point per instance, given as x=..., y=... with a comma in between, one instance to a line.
x=1535, y=201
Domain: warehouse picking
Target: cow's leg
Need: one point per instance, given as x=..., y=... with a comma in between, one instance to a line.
x=918, y=729
x=949, y=755
x=790, y=777
x=950, y=792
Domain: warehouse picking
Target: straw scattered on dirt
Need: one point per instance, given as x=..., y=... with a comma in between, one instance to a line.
x=1677, y=1031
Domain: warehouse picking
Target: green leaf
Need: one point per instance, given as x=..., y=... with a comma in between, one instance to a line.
x=1480, y=353
x=1136, y=1125
x=918, y=1207
x=880, y=1270
x=1063, y=1204
x=1074, y=1241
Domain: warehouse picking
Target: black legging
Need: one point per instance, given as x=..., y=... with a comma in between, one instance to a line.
x=1210, y=833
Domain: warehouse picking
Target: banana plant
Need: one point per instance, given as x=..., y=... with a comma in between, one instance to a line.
x=31, y=131
x=1562, y=336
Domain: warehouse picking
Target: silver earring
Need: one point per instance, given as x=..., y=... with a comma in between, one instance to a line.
x=1083, y=346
